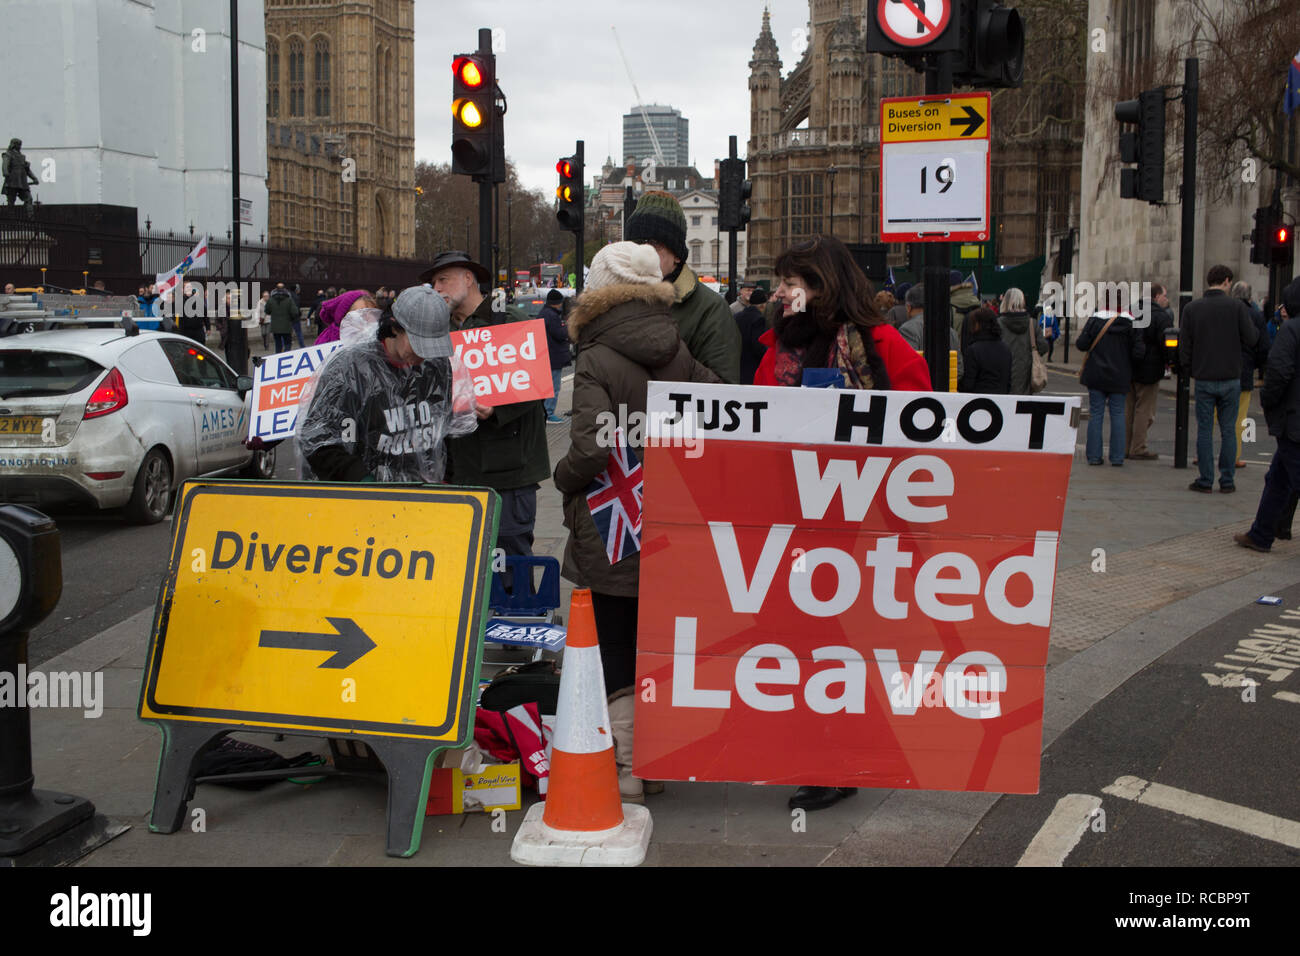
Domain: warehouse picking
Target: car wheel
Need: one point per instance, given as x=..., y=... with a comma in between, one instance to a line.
x=151, y=498
x=262, y=466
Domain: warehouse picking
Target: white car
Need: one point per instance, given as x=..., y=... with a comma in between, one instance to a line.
x=102, y=418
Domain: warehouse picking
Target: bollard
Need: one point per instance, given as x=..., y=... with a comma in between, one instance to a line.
x=31, y=582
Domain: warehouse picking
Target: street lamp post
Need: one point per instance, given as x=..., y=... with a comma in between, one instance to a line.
x=510, y=241
x=236, y=337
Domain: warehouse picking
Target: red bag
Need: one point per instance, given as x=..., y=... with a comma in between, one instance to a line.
x=516, y=734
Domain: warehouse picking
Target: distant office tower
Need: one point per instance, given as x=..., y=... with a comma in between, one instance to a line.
x=671, y=129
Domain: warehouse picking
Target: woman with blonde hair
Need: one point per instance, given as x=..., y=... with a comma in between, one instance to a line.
x=1016, y=325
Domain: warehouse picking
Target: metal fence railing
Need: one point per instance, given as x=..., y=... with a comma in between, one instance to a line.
x=73, y=246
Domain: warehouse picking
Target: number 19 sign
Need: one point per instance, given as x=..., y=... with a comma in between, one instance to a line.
x=934, y=162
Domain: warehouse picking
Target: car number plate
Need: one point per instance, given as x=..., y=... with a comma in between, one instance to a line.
x=21, y=425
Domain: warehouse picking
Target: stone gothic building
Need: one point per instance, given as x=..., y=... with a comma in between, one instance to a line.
x=341, y=124
x=814, y=144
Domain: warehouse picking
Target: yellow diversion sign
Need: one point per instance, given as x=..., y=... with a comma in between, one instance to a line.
x=328, y=608
x=910, y=119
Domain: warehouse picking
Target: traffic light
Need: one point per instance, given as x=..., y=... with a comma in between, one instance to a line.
x=1146, y=146
x=733, y=193
x=570, y=194
x=473, y=115
x=1259, y=236
x=1280, y=239
x=991, y=46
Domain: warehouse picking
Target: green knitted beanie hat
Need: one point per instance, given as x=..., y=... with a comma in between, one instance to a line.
x=659, y=216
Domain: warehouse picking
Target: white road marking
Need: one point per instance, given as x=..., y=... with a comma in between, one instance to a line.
x=1062, y=830
x=1288, y=696
x=1230, y=815
x=566, y=378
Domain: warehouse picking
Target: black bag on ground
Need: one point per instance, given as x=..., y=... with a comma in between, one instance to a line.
x=236, y=756
x=535, y=682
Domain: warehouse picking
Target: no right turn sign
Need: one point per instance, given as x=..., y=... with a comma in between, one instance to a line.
x=911, y=26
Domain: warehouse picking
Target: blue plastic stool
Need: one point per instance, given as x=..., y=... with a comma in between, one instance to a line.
x=527, y=602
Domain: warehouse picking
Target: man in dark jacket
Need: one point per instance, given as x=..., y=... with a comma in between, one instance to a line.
x=961, y=301
x=1140, y=407
x=283, y=313
x=988, y=357
x=1214, y=331
x=195, y=326
x=557, y=344
x=1280, y=397
x=1253, y=359
x=1113, y=348
x=751, y=324
x=508, y=450
x=913, y=328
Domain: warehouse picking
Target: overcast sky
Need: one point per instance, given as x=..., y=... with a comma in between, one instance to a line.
x=559, y=68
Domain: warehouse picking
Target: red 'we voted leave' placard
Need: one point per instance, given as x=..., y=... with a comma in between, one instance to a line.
x=509, y=362
x=848, y=588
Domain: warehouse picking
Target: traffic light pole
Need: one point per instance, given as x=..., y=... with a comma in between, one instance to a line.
x=578, y=263
x=938, y=319
x=485, y=223
x=731, y=240
x=1186, y=274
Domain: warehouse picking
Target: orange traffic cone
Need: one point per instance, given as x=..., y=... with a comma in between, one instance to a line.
x=583, y=821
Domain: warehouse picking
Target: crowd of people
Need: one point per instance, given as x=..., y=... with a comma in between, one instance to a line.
x=394, y=405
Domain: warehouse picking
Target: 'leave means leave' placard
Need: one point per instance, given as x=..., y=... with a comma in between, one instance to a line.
x=278, y=385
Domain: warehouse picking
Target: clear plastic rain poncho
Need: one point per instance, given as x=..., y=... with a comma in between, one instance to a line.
x=359, y=406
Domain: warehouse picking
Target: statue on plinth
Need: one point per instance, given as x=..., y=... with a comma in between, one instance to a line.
x=17, y=172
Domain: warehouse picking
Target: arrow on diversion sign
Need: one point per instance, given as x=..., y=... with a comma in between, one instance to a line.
x=972, y=120
x=349, y=644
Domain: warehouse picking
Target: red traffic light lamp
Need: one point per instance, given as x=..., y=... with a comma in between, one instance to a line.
x=468, y=71
x=1280, y=240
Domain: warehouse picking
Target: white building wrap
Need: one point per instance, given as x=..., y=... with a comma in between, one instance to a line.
x=127, y=102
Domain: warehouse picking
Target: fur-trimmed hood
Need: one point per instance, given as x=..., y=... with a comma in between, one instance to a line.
x=596, y=302
x=631, y=318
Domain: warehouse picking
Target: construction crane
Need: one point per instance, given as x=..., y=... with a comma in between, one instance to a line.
x=654, y=140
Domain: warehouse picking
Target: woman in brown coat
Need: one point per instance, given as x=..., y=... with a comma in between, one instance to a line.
x=625, y=338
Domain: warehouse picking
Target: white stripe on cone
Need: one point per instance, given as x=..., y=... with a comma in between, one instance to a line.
x=582, y=724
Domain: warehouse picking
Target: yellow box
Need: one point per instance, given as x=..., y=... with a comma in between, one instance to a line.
x=495, y=787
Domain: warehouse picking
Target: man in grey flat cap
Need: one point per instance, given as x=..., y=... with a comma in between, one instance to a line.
x=381, y=409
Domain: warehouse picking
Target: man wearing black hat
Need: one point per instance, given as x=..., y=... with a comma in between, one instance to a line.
x=703, y=319
x=557, y=344
x=508, y=450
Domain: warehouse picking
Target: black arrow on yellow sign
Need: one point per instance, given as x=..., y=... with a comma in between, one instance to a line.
x=972, y=120
x=349, y=644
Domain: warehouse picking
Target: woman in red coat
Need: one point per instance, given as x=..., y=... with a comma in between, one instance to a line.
x=828, y=320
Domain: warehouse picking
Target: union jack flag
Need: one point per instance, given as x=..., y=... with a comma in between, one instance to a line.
x=615, y=501
x=197, y=259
